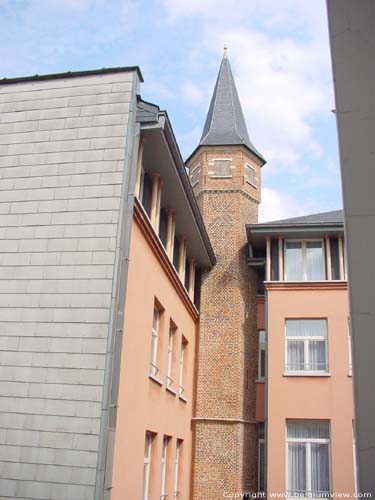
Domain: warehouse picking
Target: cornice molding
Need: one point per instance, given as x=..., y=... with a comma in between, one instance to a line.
x=220, y=191
x=144, y=224
x=306, y=285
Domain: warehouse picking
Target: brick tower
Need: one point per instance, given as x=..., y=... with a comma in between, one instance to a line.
x=225, y=171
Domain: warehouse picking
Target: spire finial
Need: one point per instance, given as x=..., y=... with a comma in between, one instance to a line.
x=225, y=50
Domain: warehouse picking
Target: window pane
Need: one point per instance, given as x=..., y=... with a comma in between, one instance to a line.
x=262, y=363
x=222, y=167
x=156, y=319
x=319, y=468
x=296, y=468
x=261, y=466
x=306, y=328
x=296, y=355
x=293, y=261
x=314, y=260
x=317, y=355
x=308, y=429
x=250, y=174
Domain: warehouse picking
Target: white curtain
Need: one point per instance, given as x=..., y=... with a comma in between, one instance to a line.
x=296, y=355
x=314, y=261
x=296, y=468
x=293, y=261
x=306, y=328
x=316, y=479
x=317, y=355
x=319, y=469
x=308, y=429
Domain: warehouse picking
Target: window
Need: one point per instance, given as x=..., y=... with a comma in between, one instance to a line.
x=262, y=355
x=172, y=331
x=176, y=467
x=304, y=260
x=147, y=464
x=308, y=467
x=306, y=345
x=154, y=342
x=194, y=175
x=164, y=467
x=222, y=168
x=145, y=192
x=176, y=252
x=163, y=227
x=261, y=459
x=181, y=371
x=250, y=174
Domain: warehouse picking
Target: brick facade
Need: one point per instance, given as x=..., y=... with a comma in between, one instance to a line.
x=225, y=430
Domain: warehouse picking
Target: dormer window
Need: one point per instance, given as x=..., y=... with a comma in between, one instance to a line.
x=222, y=168
x=250, y=174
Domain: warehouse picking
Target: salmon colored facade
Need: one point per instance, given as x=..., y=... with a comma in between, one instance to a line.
x=146, y=404
x=322, y=397
x=305, y=398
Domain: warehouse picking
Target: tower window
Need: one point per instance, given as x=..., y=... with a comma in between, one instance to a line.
x=250, y=174
x=194, y=175
x=222, y=168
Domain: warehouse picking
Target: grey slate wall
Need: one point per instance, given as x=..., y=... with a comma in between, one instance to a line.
x=62, y=150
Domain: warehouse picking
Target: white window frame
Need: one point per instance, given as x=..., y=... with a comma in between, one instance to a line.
x=181, y=368
x=147, y=466
x=217, y=176
x=195, y=171
x=303, y=242
x=306, y=354
x=261, y=442
x=154, y=341
x=164, y=457
x=176, y=468
x=308, y=442
x=252, y=183
x=262, y=347
x=172, y=331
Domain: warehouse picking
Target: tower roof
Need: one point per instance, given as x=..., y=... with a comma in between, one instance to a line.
x=225, y=122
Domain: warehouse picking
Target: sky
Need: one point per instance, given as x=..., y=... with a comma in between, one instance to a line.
x=280, y=58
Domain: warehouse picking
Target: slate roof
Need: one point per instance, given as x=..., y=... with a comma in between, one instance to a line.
x=334, y=217
x=225, y=123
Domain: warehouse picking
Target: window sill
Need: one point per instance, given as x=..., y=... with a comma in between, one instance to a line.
x=172, y=391
x=251, y=184
x=350, y=374
x=155, y=379
x=221, y=176
x=260, y=380
x=306, y=374
x=183, y=399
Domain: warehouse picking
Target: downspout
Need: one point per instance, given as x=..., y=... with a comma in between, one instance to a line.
x=115, y=330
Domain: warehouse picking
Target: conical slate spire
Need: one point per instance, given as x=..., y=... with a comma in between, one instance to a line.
x=225, y=123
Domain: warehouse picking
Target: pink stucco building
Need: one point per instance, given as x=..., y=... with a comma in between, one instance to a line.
x=305, y=378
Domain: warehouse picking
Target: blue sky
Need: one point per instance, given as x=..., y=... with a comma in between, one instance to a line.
x=279, y=53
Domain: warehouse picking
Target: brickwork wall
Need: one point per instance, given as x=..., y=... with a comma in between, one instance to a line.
x=226, y=442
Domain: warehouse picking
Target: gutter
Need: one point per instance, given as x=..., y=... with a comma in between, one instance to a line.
x=104, y=468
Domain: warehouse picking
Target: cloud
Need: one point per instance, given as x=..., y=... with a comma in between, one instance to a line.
x=192, y=93
x=278, y=205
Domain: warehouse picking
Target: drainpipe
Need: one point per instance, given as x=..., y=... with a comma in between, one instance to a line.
x=103, y=484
